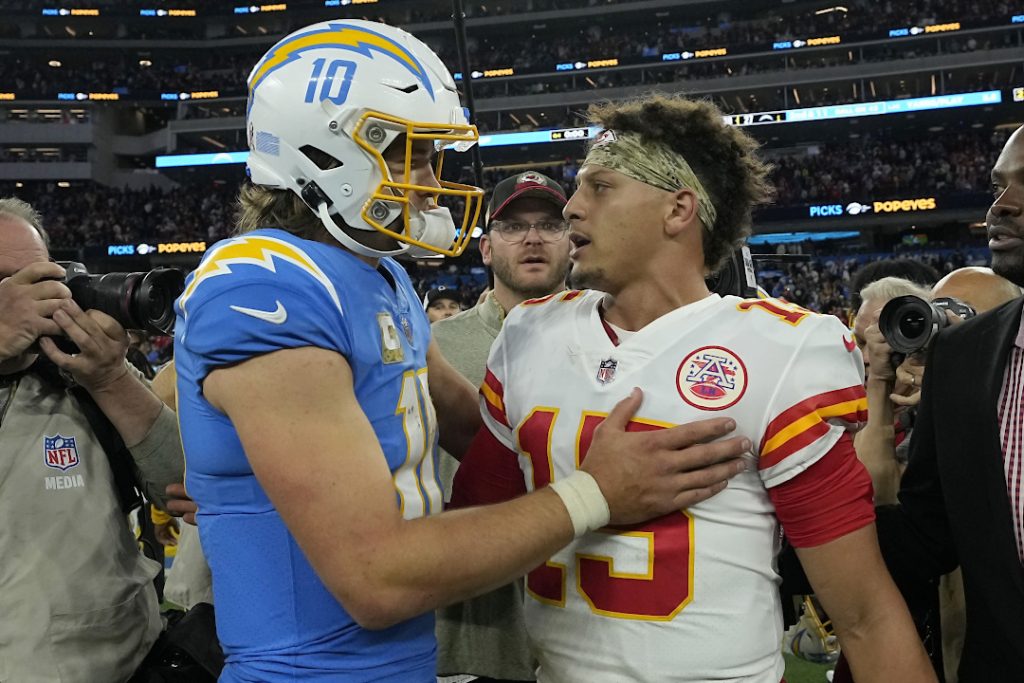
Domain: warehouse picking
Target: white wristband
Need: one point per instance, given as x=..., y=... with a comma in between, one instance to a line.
x=584, y=501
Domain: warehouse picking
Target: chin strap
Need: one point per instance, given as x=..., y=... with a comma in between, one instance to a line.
x=348, y=242
x=434, y=227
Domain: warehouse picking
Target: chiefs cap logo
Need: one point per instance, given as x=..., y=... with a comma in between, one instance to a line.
x=530, y=178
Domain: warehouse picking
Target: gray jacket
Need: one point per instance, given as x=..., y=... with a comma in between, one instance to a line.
x=77, y=602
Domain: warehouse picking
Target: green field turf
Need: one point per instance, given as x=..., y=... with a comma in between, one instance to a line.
x=802, y=671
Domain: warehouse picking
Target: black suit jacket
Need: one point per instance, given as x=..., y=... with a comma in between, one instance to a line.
x=953, y=502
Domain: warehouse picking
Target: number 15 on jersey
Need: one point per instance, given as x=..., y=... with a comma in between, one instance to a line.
x=644, y=571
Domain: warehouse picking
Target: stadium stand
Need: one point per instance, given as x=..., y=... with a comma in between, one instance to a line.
x=86, y=128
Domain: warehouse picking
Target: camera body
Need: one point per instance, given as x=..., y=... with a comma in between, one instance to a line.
x=736, y=278
x=137, y=301
x=909, y=323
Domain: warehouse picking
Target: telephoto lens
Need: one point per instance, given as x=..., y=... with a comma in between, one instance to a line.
x=909, y=323
x=137, y=301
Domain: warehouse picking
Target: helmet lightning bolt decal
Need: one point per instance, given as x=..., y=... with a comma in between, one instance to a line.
x=344, y=37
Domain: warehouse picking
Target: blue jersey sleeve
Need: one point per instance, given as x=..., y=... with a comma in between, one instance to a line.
x=236, y=321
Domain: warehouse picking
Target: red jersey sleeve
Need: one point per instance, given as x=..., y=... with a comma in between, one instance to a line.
x=831, y=498
x=489, y=473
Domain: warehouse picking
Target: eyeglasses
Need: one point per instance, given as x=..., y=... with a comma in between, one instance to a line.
x=515, y=232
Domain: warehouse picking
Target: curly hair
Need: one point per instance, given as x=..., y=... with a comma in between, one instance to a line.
x=723, y=157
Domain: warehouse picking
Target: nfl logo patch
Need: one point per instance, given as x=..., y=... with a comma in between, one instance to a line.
x=60, y=452
x=606, y=371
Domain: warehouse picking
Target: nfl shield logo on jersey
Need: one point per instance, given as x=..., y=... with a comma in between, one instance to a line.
x=712, y=378
x=606, y=371
x=60, y=452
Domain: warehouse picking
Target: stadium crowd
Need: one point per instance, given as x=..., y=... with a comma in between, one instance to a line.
x=884, y=164
x=189, y=70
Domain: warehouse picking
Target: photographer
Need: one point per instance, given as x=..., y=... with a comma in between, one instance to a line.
x=982, y=290
x=881, y=444
x=960, y=497
x=895, y=389
x=77, y=431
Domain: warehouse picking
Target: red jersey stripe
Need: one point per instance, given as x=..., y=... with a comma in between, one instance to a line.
x=804, y=439
x=811, y=405
x=497, y=413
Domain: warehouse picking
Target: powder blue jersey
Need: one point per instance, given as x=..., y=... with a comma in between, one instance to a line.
x=263, y=292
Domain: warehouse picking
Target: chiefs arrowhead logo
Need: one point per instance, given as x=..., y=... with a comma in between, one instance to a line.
x=850, y=344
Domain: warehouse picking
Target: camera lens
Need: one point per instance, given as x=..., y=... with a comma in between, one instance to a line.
x=907, y=323
x=137, y=301
x=155, y=298
x=912, y=324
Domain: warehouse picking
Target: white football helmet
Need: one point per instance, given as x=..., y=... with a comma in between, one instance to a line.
x=324, y=104
x=812, y=637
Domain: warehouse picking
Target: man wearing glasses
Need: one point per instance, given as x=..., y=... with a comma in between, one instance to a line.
x=527, y=248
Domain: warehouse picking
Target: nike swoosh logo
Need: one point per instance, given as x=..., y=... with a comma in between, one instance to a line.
x=849, y=344
x=277, y=316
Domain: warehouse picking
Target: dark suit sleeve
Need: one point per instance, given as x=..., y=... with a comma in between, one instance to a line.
x=915, y=535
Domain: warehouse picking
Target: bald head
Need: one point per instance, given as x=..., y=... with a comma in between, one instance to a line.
x=979, y=287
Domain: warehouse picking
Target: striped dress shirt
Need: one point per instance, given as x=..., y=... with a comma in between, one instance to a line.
x=1011, y=435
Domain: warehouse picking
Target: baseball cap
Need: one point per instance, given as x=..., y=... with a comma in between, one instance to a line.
x=528, y=184
x=441, y=292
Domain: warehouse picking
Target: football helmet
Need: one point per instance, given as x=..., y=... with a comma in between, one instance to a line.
x=813, y=637
x=327, y=101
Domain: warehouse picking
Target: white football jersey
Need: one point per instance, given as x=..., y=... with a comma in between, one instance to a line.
x=692, y=596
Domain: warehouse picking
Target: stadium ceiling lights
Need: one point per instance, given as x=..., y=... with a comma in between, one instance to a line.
x=55, y=63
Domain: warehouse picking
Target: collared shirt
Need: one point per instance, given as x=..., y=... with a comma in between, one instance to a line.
x=1011, y=434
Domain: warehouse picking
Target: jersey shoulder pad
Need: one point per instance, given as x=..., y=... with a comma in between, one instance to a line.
x=535, y=311
x=273, y=257
x=258, y=294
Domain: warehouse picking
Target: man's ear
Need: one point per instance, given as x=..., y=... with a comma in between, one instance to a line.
x=485, y=249
x=681, y=212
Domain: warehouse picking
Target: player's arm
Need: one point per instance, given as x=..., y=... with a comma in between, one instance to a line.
x=317, y=457
x=455, y=401
x=828, y=516
x=870, y=617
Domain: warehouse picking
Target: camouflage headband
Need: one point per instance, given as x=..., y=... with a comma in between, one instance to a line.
x=652, y=163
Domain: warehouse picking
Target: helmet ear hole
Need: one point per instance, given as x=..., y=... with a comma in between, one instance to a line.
x=323, y=160
x=314, y=196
